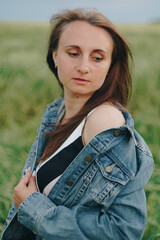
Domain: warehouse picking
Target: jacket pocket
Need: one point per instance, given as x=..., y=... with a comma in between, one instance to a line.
x=109, y=180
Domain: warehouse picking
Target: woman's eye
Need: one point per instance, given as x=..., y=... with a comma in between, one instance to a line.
x=98, y=59
x=73, y=54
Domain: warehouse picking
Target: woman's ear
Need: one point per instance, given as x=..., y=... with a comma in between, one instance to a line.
x=55, y=58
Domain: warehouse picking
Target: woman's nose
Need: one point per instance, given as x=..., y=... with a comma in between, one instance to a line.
x=83, y=66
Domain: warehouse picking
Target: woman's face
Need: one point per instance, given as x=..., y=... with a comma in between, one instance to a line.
x=83, y=58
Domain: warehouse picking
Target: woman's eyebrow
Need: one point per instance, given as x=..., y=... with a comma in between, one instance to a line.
x=72, y=46
x=101, y=51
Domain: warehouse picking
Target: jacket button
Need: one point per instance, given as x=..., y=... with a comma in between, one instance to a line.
x=69, y=183
x=88, y=158
x=110, y=168
x=116, y=133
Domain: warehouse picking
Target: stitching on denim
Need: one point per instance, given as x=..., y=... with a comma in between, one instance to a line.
x=85, y=185
x=41, y=216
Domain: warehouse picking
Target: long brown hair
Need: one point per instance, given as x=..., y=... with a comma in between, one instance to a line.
x=117, y=85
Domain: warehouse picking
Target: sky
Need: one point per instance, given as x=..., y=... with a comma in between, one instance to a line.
x=118, y=11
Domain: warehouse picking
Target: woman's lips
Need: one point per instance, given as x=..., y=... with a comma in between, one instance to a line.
x=80, y=80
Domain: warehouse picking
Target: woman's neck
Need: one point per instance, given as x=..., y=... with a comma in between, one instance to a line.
x=73, y=105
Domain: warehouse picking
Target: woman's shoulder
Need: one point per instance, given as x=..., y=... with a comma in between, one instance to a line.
x=103, y=117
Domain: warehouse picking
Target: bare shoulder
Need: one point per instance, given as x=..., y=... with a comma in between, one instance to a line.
x=102, y=118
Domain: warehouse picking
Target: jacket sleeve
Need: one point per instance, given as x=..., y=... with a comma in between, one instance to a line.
x=125, y=219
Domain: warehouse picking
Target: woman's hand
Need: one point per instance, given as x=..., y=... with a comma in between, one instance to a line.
x=25, y=187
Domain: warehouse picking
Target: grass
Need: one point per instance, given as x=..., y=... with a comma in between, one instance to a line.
x=27, y=86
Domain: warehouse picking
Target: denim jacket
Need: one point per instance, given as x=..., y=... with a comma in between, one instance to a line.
x=99, y=196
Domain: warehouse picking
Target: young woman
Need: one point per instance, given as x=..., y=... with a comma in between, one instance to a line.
x=89, y=164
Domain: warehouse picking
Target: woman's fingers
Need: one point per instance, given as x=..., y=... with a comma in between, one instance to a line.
x=32, y=180
x=28, y=172
x=32, y=184
x=25, y=187
x=26, y=177
x=24, y=181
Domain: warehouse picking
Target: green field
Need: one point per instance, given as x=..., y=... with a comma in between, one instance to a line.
x=27, y=86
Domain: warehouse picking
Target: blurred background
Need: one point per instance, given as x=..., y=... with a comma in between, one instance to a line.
x=27, y=85
x=118, y=11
